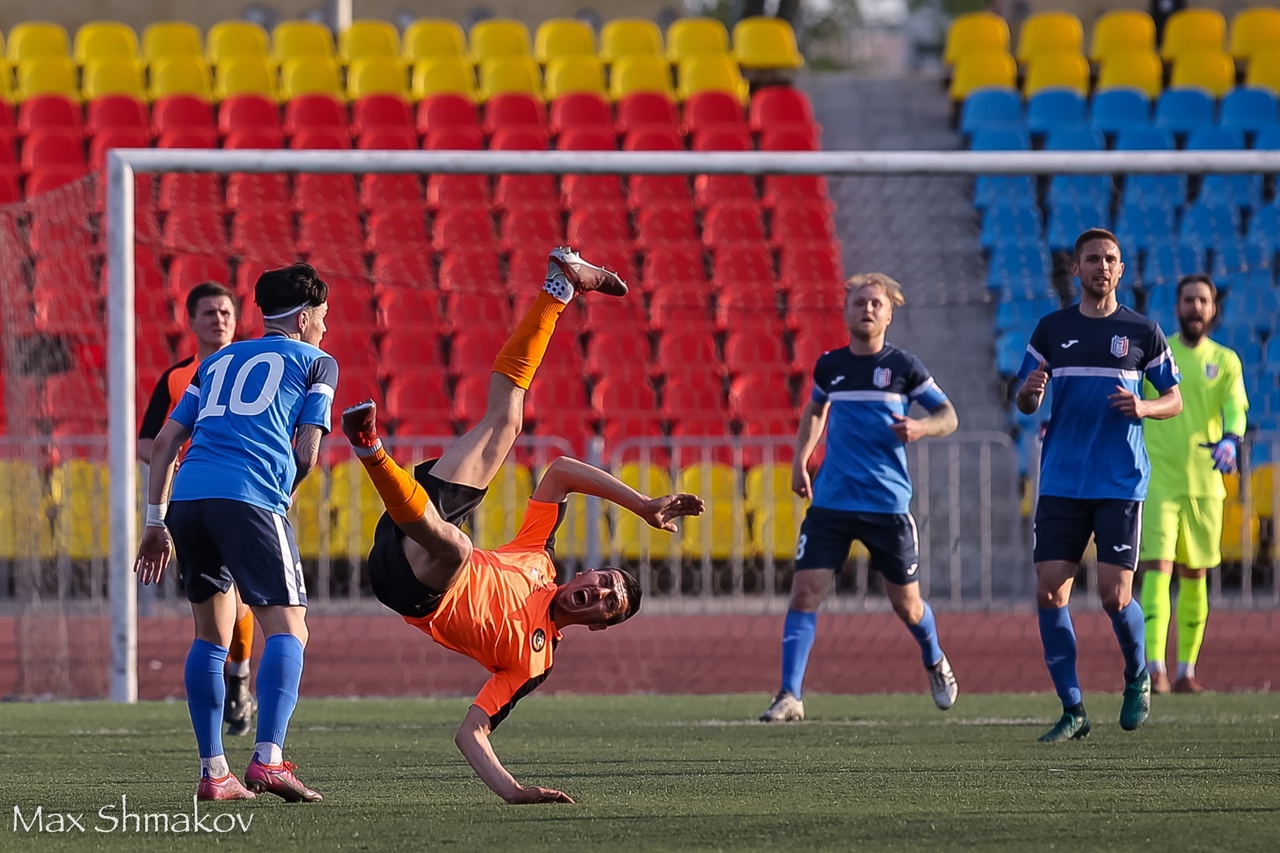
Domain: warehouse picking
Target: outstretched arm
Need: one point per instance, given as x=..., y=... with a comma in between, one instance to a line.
x=472, y=740
x=566, y=476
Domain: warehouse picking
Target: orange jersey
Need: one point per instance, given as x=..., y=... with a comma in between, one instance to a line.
x=498, y=612
x=168, y=391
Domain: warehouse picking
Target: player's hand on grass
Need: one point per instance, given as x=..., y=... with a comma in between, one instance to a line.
x=1128, y=403
x=523, y=796
x=153, y=554
x=662, y=512
x=801, y=484
x=908, y=429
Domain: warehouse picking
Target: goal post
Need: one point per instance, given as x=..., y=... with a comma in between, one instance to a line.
x=123, y=164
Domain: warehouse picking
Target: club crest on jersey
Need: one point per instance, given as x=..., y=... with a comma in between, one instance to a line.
x=539, y=640
x=1119, y=346
x=1211, y=371
x=881, y=377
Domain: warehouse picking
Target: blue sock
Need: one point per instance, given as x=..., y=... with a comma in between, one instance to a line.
x=797, y=641
x=279, y=674
x=1059, y=639
x=206, y=691
x=926, y=633
x=1130, y=631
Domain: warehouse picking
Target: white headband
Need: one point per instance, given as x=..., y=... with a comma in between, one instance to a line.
x=301, y=307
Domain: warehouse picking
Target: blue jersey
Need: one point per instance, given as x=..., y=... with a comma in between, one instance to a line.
x=242, y=409
x=865, y=468
x=1090, y=449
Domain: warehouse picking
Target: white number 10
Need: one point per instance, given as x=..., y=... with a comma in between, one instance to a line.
x=237, y=404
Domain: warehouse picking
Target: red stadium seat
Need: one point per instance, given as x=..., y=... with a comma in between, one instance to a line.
x=815, y=299
x=186, y=137
x=613, y=316
x=573, y=427
x=384, y=192
x=257, y=138
x=692, y=394
x=116, y=111
x=439, y=112
x=818, y=269
x=468, y=227
x=515, y=111
x=619, y=345
x=182, y=191
x=457, y=191
x=590, y=191
x=599, y=138
x=398, y=230
x=465, y=312
x=357, y=385
x=45, y=113
x=687, y=350
x=406, y=311
x=352, y=300
x=518, y=139
x=790, y=139
x=473, y=269
x=411, y=348
x=659, y=191
x=710, y=189
x=660, y=226
x=577, y=110
x=195, y=232
x=740, y=265
x=704, y=110
x=454, y=139
x=653, y=139
x=388, y=139
x=749, y=307
x=320, y=139
x=419, y=397
x=240, y=113
x=821, y=334
x=257, y=192
x=53, y=149
x=9, y=189
x=681, y=265
x=533, y=227
x=352, y=346
x=47, y=180
x=760, y=396
x=178, y=112
x=780, y=189
x=470, y=398
x=800, y=223
x=680, y=310
x=319, y=230
x=723, y=137
x=749, y=353
x=475, y=350
x=315, y=112
x=186, y=271
x=381, y=112
x=103, y=142
x=621, y=394
x=726, y=225
x=598, y=225
x=646, y=110
x=775, y=108
x=516, y=192
x=313, y=191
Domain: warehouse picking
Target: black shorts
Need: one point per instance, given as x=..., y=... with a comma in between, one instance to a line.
x=390, y=575
x=827, y=534
x=221, y=542
x=1063, y=527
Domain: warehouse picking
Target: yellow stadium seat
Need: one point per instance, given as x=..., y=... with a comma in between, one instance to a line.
x=498, y=38
x=558, y=38
x=429, y=38
x=376, y=75
x=310, y=75
x=49, y=75
x=246, y=75
x=25, y=530
x=1057, y=71
x=236, y=39
x=6, y=84
x=571, y=539
x=181, y=75
x=1136, y=69
x=499, y=516
x=79, y=492
x=167, y=39
x=775, y=511
x=982, y=70
x=354, y=507
x=766, y=43
x=301, y=40
x=510, y=74
x=712, y=74
x=623, y=37
x=1255, y=31
x=721, y=531
x=1213, y=70
x=309, y=515
x=1122, y=31
x=121, y=76
x=690, y=37
x=1264, y=71
x=1235, y=527
x=1262, y=492
x=1191, y=31
x=1050, y=32
x=640, y=74
x=36, y=40
x=574, y=74
x=443, y=75
x=975, y=32
x=632, y=538
x=105, y=40
x=368, y=38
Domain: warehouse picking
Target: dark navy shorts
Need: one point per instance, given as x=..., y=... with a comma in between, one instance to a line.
x=1063, y=527
x=221, y=542
x=390, y=575
x=827, y=534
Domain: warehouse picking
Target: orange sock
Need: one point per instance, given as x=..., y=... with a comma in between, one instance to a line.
x=242, y=639
x=405, y=499
x=520, y=356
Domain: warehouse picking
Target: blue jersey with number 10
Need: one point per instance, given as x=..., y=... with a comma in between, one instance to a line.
x=242, y=409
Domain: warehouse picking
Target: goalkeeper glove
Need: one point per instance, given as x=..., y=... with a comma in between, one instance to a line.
x=1225, y=454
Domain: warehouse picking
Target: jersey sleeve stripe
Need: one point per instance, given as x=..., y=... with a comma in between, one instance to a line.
x=923, y=387
x=1107, y=372
x=867, y=397
x=1160, y=359
x=193, y=391
x=1034, y=353
x=321, y=389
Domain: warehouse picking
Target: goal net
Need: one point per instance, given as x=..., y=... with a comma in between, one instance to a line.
x=693, y=383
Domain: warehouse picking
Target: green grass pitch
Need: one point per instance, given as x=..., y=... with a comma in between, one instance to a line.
x=675, y=773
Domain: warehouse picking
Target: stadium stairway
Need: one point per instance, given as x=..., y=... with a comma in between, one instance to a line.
x=924, y=232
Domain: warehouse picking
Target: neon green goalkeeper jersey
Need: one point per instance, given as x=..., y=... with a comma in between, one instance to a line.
x=1213, y=402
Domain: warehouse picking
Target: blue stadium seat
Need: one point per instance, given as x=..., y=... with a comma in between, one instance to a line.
x=1206, y=224
x=1010, y=348
x=1080, y=189
x=1003, y=191
x=1142, y=226
x=1127, y=297
x=1150, y=189
x=1248, y=110
x=1263, y=236
x=1268, y=138
x=991, y=109
x=1002, y=225
x=1000, y=140
x=1238, y=190
x=1160, y=306
x=1184, y=110
x=1116, y=110
x=1078, y=138
x=1020, y=315
x=1271, y=357
x=1231, y=264
x=1068, y=221
x=1252, y=308
x=1018, y=270
x=1165, y=263
x=1238, y=280
x=1054, y=109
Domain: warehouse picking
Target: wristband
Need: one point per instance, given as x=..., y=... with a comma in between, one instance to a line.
x=156, y=514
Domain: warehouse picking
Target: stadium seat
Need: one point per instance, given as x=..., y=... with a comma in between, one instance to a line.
x=581, y=111
x=764, y=43
x=628, y=37
x=1053, y=109
x=292, y=40
x=991, y=109
x=1122, y=31
x=1248, y=110
x=36, y=40
x=730, y=224
x=504, y=74
x=615, y=346
x=1114, y=110
x=1264, y=71
x=98, y=40
x=453, y=139
x=180, y=75
x=1254, y=31
x=1079, y=138
x=558, y=38
x=497, y=520
x=1057, y=71
x=499, y=38
x=974, y=33
x=1239, y=190
x=368, y=38
x=49, y=112
x=1049, y=32
x=776, y=513
x=52, y=149
x=240, y=113
x=315, y=113
x=1166, y=189
x=705, y=111
x=313, y=191
x=111, y=76
x=447, y=111
x=1213, y=71
x=1142, y=226
x=1067, y=221
x=1140, y=70
x=434, y=38
x=640, y=73
x=169, y=39
x=721, y=532
x=381, y=112
x=310, y=75
x=246, y=75
x=376, y=75
x=48, y=75
x=231, y=40
x=982, y=71
x=646, y=110
x=690, y=37
x=1183, y=110
x=1189, y=31
x=711, y=74
x=568, y=74
x=776, y=108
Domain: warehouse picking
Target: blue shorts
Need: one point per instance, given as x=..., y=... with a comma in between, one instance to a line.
x=1063, y=527
x=221, y=542
x=827, y=534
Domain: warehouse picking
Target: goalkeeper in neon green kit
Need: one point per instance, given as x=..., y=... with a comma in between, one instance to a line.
x=1182, y=518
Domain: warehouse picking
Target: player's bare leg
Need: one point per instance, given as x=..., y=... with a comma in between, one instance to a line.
x=917, y=615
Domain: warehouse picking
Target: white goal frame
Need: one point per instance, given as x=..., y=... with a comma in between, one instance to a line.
x=124, y=163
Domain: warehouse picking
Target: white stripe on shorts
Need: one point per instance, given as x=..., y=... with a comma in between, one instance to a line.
x=286, y=561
